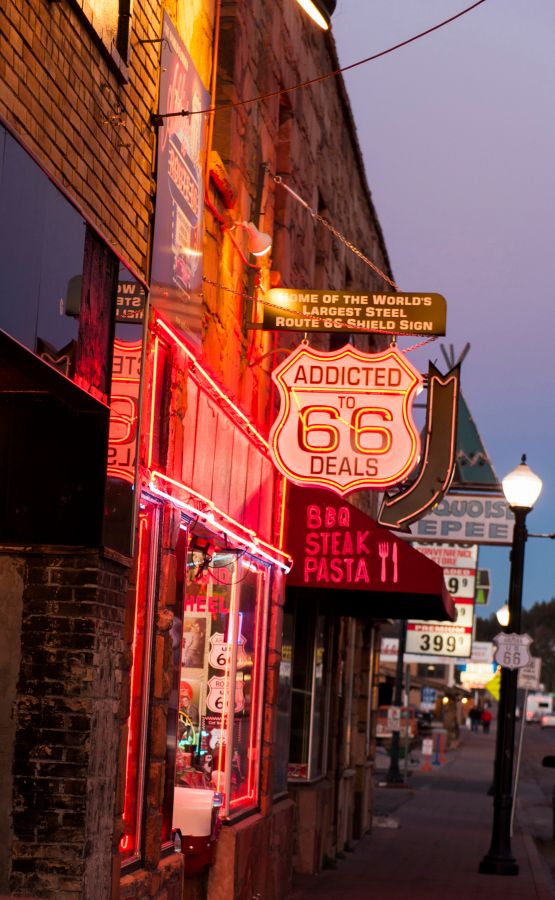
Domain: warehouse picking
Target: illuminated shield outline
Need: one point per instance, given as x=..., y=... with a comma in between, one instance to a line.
x=397, y=401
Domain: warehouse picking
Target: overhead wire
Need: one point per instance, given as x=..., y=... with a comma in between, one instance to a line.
x=333, y=74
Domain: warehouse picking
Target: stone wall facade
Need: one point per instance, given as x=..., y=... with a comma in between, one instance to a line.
x=65, y=749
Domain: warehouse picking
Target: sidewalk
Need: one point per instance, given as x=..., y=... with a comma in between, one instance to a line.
x=428, y=840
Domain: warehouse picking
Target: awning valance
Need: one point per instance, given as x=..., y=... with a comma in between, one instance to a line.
x=338, y=548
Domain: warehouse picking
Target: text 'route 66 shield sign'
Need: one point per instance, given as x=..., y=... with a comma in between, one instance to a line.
x=345, y=420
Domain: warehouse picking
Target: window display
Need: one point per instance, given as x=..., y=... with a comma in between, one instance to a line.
x=222, y=660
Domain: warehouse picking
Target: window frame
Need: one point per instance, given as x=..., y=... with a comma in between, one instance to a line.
x=236, y=808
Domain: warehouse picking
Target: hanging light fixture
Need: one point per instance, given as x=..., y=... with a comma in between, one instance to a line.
x=320, y=11
x=259, y=242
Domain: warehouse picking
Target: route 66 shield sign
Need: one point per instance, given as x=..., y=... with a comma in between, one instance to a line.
x=215, y=701
x=345, y=420
x=512, y=651
x=219, y=652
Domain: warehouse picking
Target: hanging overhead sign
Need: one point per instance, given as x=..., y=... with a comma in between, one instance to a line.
x=288, y=309
x=345, y=420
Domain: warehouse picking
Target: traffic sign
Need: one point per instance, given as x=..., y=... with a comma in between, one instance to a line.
x=483, y=586
x=512, y=650
x=529, y=675
x=394, y=718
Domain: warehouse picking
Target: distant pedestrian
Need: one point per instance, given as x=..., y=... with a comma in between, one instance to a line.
x=486, y=719
x=475, y=716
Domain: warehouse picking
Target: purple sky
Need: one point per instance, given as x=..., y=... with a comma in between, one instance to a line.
x=458, y=136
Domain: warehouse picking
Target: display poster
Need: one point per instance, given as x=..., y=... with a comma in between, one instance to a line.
x=176, y=277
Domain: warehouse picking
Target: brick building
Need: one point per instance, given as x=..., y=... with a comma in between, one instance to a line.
x=143, y=558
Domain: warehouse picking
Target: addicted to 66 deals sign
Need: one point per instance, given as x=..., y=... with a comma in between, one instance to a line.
x=459, y=564
x=345, y=420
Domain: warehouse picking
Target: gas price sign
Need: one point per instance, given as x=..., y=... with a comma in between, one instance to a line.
x=441, y=638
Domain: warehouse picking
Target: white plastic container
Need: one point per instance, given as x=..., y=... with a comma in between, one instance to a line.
x=192, y=810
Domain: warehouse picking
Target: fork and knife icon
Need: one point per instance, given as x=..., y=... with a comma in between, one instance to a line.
x=383, y=550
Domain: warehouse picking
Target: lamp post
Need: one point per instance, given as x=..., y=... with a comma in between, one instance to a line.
x=521, y=488
x=394, y=774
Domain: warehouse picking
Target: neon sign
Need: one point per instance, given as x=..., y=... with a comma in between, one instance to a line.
x=126, y=377
x=345, y=419
x=438, y=464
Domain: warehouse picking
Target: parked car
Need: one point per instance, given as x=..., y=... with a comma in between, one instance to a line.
x=548, y=720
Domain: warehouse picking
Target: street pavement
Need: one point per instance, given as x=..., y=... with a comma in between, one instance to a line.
x=428, y=838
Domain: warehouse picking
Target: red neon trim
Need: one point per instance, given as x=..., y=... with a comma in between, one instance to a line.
x=152, y=401
x=210, y=510
x=255, y=675
x=143, y=527
x=282, y=512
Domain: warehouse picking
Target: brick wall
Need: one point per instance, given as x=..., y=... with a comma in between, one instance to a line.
x=66, y=736
x=66, y=102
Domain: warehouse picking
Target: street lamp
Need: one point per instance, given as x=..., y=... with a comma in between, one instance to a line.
x=503, y=615
x=521, y=488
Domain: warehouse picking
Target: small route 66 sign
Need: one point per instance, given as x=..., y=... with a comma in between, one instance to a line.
x=215, y=700
x=218, y=656
x=512, y=650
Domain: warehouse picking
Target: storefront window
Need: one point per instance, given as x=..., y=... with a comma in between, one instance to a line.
x=222, y=661
x=43, y=245
x=310, y=701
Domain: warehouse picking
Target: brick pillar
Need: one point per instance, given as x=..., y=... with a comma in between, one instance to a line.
x=66, y=729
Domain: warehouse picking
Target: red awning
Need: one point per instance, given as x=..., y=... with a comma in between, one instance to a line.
x=338, y=548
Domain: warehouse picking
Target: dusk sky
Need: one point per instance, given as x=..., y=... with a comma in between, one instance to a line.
x=458, y=136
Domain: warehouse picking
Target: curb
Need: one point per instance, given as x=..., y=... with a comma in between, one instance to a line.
x=541, y=873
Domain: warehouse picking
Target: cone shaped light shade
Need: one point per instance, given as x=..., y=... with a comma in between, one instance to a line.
x=320, y=11
x=259, y=242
